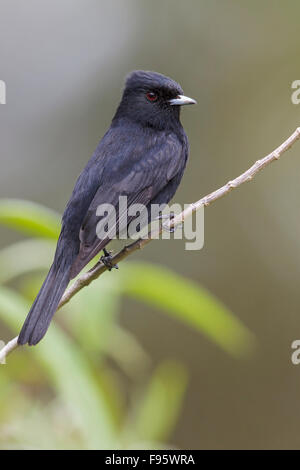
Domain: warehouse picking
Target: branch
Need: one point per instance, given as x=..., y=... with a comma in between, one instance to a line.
x=8, y=348
x=86, y=278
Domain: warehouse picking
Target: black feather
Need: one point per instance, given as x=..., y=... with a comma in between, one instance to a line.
x=142, y=156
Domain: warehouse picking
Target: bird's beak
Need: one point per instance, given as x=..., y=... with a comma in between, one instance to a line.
x=180, y=100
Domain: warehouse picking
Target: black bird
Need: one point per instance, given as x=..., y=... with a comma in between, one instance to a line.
x=142, y=156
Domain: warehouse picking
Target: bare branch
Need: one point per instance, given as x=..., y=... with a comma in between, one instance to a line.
x=86, y=278
x=8, y=348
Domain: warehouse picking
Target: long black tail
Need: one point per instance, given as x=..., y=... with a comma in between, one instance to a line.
x=46, y=302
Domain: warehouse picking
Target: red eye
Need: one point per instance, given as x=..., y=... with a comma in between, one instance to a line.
x=151, y=96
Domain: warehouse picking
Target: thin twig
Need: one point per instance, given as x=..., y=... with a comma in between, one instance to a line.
x=8, y=348
x=86, y=278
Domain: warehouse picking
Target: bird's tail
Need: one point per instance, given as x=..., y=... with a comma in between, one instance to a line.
x=46, y=302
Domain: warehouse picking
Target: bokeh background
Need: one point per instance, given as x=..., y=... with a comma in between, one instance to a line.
x=115, y=370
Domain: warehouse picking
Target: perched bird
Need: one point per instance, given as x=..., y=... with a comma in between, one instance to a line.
x=142, y=156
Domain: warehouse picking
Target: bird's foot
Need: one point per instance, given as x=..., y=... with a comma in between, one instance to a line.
x=168, y=217
x=107, y=260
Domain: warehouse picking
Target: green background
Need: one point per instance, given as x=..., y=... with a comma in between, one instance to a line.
x=122, y=366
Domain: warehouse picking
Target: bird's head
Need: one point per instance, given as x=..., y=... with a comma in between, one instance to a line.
x=152, y=99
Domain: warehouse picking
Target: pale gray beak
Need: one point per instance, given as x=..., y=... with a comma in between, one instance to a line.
x=181, y=100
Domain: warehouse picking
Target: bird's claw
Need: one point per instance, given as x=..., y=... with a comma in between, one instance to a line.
x=106, y=259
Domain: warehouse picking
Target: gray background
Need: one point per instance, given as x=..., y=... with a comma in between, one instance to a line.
x=64, y=64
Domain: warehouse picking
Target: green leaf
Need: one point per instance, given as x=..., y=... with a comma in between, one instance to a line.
x=127, y=352
x=99, y=303
x=188, y=302
x=25, y=256
x=69, y=372
x=29, y=218
x=158, y=410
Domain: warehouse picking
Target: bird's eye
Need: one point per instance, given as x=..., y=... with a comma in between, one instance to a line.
x=151, y=96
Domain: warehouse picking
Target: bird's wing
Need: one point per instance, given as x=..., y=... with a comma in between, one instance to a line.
x=139, y=173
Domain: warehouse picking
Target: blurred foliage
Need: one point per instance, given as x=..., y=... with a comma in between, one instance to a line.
x=89, y=384
x=29, y=217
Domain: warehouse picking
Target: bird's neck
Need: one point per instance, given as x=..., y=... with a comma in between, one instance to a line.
x=160, y=121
